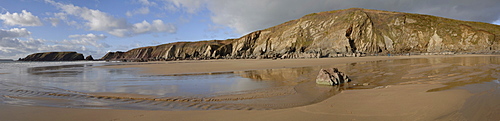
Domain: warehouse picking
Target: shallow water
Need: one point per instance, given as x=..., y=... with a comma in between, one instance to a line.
x=85, y=85
x=82, y=85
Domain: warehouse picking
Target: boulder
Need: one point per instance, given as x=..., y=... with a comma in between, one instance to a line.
x=324, y=77
x=331, y=76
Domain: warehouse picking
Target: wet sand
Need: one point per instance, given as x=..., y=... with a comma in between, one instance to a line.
x=402, y=102
x=432, y=97
x=210, y=66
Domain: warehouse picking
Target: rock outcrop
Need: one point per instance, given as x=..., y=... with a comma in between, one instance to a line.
x=331, y=76
x=113, y=56
x=214, y=49
x=348, y=32
x=54, y=56
x=89, y=58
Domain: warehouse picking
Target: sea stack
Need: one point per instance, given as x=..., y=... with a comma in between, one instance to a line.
x=89, y=58
x=54, y=56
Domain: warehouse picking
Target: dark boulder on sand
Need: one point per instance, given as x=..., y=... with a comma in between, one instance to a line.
x=331, y=76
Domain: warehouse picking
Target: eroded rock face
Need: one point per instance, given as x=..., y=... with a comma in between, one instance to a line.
x=113, y=56
x=54, y=56
x=331, y=76
x=175, y=51
x=338, y=33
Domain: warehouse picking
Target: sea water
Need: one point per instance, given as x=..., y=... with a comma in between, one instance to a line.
x=76, y=83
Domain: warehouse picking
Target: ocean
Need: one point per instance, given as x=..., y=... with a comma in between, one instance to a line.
x=83, y=84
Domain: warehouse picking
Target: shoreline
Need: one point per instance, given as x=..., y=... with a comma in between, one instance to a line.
x=410, y=101
x=217, y=66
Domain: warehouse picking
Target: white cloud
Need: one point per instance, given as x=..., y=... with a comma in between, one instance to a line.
x=100, y=21
x=61, y=16
x=16, y=48
x=96, y=20
x=12, y=46
x=156, y=26
x=190, y=6
x=89, y=36
x=14, y=33
x=146, y=3
x=22, y=19
x=143, y=10
x=86, y=39
x=53, y=21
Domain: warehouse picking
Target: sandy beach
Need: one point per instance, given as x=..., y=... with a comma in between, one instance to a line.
x=428, y=95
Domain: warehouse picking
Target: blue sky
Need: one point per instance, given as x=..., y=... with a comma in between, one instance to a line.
x=95, y=27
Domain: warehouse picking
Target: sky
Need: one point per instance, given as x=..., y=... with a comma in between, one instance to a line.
x=95, y=27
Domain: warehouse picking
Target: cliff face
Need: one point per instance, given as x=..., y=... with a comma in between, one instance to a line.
x=339, y=33
x=54, y=56
x=175, y=51
x=113, y=56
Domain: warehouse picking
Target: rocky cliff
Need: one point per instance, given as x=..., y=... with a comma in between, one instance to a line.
x=175, y=51
x=54, y=56
x=337, y=33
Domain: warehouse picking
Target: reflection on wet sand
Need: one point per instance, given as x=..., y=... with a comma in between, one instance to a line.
x=484, y=105
x=450, y=71
x=54, y=71
x=454, y=72
x=239, y=90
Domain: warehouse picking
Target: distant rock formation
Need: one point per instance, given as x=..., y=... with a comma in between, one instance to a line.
x=113, y=56
x=89, y=58
x=331, y=76
x=349, y=32
x=215, y=49
x=54, y=56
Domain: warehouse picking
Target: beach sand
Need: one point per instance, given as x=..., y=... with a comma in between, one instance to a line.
x=409, y=101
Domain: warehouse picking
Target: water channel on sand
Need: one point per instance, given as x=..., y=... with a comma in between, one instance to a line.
x=85, y=85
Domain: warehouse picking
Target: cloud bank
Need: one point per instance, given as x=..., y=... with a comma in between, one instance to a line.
x=11, y=45
x=16, y=43
x=96, y=20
